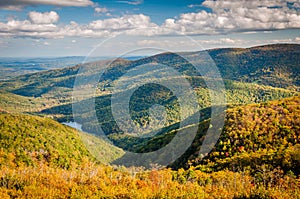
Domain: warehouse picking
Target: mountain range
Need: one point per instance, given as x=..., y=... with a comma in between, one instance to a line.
x=261, y=112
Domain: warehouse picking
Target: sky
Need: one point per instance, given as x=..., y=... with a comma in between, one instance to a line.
x=57, y=28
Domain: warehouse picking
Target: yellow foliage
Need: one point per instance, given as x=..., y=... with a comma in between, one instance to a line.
x=96, y=181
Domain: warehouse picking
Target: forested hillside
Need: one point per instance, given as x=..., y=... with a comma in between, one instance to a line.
x=43, y=159
x=256, y=156
x=30, y=140
x=257, y=134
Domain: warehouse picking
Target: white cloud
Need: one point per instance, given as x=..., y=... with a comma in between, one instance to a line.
x=133, y=2
x=38, y=25
x=43, y=18
x=122, y=23
x=19, y=4
x=296, y=5
x=228, y=40
x=222, y=41
x=101, y=10
x=171, y=43
x=281, y=41
x=25, y=28
x=237, y=16
x=45, y=27
x=194, y=5
x=297, y=39
x=47, y=43
x=226, y=17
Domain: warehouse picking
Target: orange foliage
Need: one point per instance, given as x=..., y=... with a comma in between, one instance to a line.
x=95, y=181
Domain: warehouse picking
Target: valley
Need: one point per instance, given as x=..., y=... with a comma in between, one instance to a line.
x=256, y=156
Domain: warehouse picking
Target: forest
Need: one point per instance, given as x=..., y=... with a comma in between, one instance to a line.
x=256, y=156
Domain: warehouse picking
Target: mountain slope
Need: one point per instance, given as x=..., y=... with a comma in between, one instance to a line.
x=103, y=151
x=272, y=65
x=253, y=135
x=266, y=133
x=26, y=139
x=16, y=103
x=275, y=65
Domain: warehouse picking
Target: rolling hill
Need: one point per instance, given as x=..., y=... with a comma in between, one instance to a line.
x=251, y=75
x=256, y=156
x=274, y=65
x=253, y=135
x=256, y=134
x=27, y=140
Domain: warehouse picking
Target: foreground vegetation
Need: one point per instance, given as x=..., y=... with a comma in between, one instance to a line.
x=94, y=181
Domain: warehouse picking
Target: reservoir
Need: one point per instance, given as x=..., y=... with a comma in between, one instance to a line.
x=73, y=125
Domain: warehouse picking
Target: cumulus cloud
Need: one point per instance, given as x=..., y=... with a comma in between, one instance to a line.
x=37, y=25
x=225, y=17
x=19, y=4
x=26, y=28
x=122, y=23
x=238, y=16
x=101, y=10
x=43, y=25
x=43, y=18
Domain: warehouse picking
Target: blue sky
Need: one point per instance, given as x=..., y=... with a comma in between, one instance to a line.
x=47, y=28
